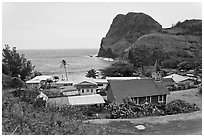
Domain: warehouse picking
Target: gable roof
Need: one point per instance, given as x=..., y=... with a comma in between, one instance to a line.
x=37, y=79
x=136, y=88
x=169, y=80
x=177, y=78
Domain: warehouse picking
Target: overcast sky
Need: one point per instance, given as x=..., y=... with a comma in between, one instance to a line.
x=79, y=25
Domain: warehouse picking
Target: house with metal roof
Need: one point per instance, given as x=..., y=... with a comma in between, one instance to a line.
x=36, y=81
x=138, y=90
x=182, y=80
x=86, y=87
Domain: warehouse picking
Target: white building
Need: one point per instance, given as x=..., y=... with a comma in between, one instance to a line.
x=59, y=84
x=86, y=87
x=35, y=83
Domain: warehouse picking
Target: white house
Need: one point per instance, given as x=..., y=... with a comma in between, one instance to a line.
x=179, y=79
x=36, y=81
x=59, y=84
x=86, y=87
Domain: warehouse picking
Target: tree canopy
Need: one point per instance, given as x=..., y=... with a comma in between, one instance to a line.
x=14, y=64
x=118, y=69
x=92, y=73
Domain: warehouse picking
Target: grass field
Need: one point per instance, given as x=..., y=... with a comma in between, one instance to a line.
x=179, y=124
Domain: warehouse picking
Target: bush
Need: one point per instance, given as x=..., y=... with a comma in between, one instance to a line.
x=127, y=110
x=180, y=106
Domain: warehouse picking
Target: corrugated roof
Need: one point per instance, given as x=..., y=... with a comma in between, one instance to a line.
x=177, y=78
x=122, y=78
x=136, y=88
x=170, y=80
x=63, y=82
x=86, y=100
x=37, y=79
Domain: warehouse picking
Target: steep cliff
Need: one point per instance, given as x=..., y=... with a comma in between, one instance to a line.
x=124, y=31
x=139, y=38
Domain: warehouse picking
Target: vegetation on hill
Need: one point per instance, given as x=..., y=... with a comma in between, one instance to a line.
x=15, y=65
x=141, y=40
x=118, y=69
x=22, y=115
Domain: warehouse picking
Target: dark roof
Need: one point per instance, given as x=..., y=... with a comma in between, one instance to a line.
x=136, y=88
x=169, y=80
x=156, y=67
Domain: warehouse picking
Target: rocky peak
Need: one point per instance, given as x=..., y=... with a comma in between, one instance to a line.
x=124, y=31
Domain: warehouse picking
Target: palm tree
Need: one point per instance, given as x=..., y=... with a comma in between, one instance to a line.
x=64, y=64
x=92, y=73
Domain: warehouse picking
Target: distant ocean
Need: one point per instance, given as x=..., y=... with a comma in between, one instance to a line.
x=79, y=61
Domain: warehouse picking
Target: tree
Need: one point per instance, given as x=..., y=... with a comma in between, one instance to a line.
x=118, y=69
x=56, y=78
x=15, y=65
x=92, y=73
x=64, y=64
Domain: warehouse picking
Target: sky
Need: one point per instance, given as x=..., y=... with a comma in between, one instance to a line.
x=81, y=25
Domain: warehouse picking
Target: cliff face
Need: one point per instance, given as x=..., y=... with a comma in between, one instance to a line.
x=124, y=31
x=141, y=36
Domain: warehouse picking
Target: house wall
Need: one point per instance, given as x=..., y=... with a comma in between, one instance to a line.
x=33, y=85
x=87, y=91
x=151, y=99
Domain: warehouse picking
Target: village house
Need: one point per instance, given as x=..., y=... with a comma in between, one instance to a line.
x=183, y=81
x=138, y=90
x=86, y=87
x=35, y=83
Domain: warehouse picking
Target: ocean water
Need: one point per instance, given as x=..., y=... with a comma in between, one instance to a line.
x=78, y=60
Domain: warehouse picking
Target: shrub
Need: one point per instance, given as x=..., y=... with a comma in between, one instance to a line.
x=127, y=110
x=180, y=106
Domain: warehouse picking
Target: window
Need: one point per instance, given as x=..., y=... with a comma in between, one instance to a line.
x=148, y=98
x=82, y=90
x=100, y=84
x=65, y=85
x=91, y=90
x=160, y=98
x=87, y=90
